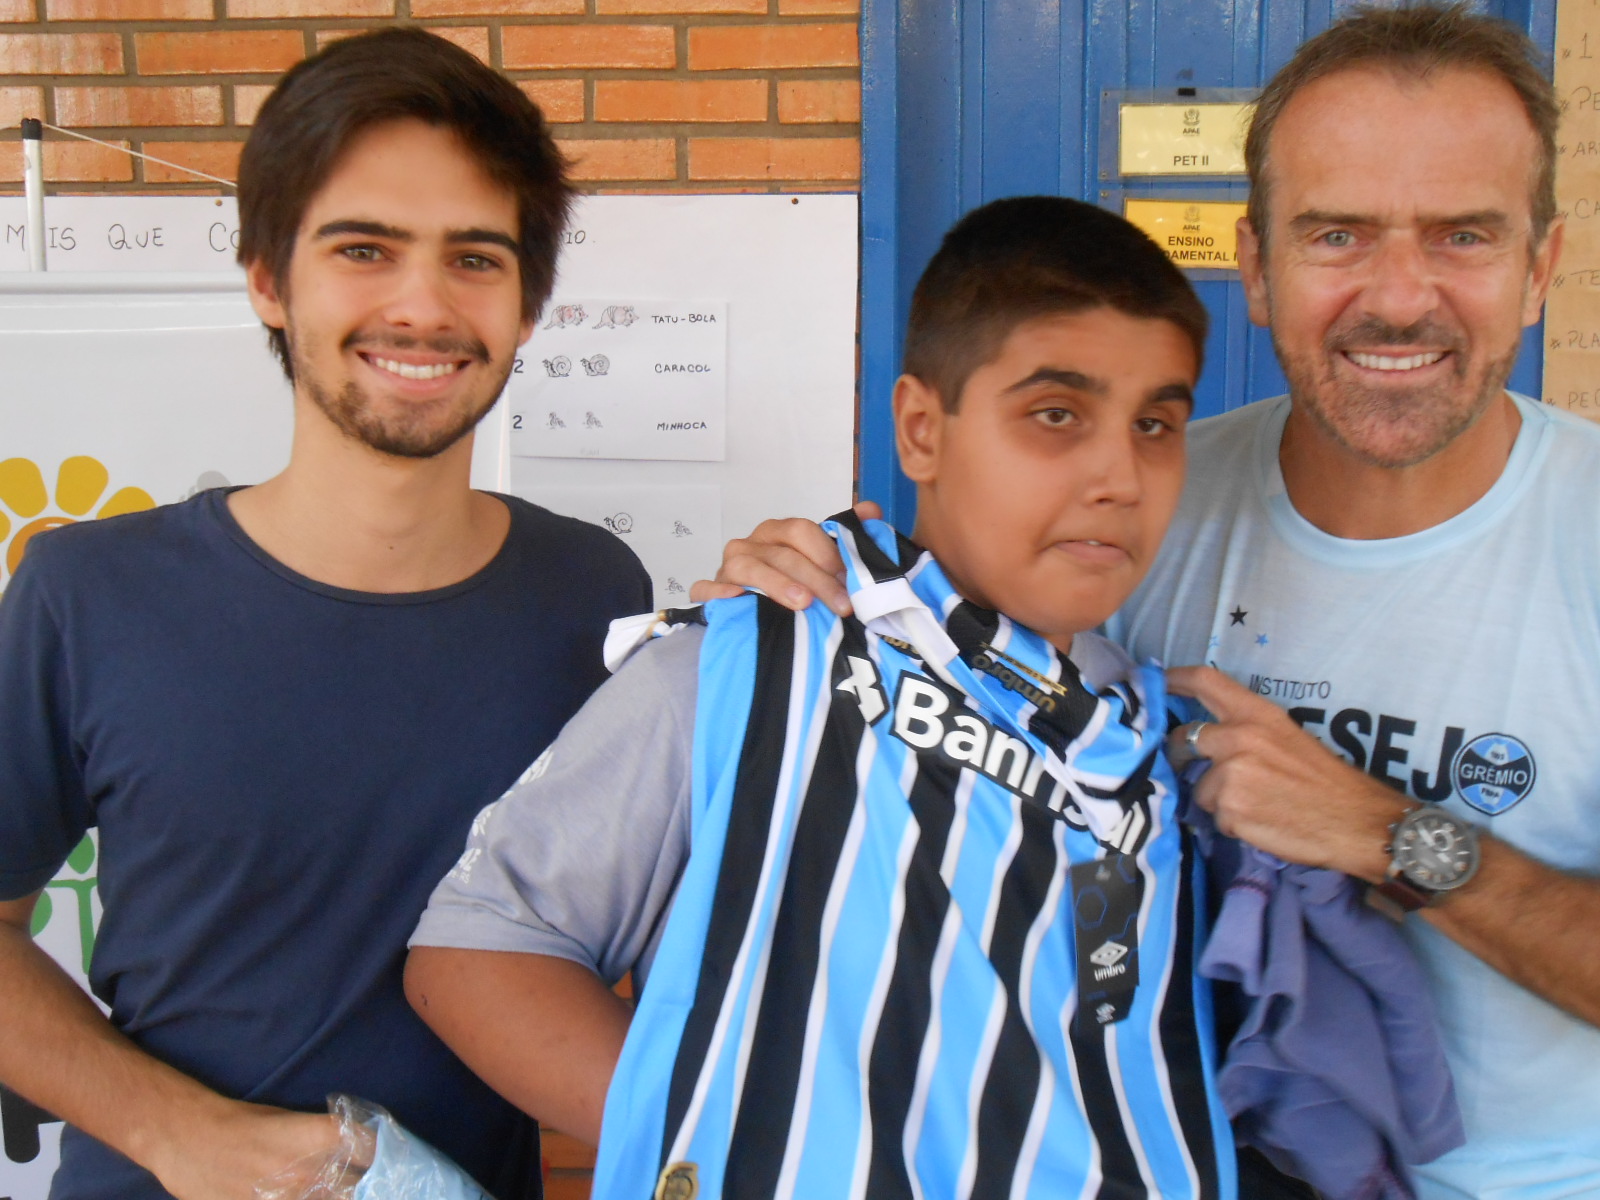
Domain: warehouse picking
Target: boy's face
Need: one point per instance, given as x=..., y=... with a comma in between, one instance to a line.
x=1046, y=493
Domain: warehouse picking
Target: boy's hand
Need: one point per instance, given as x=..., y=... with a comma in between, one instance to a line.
x=1275, y=786
x=790, y=559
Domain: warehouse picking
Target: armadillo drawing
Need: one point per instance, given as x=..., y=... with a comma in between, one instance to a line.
x=617, y=316
x=563, y=315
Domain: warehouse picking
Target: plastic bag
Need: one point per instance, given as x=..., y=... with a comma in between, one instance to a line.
x=377, y=1159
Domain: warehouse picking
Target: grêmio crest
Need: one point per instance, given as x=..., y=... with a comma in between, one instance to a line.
x=1493, y=772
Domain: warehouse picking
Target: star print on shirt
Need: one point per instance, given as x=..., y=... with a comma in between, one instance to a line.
x=1238, y=615
x=1261, y=639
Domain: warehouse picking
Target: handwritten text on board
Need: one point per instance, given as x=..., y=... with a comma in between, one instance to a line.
x=620, y=378
x=125, y=233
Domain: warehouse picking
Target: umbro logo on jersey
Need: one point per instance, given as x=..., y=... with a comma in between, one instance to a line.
x=1031, y=689
x=1108, y=960
x=863, y=683
x=1105, y=1014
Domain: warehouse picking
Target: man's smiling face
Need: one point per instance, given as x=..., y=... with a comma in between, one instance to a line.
x=1400, y=265
x=402, y=304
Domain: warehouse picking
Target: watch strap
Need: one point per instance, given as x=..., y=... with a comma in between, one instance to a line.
x=1400, y=891
x=1395, y=895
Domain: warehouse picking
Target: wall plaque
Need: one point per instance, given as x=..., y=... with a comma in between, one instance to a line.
x=1194, y=233
x=1181, y=139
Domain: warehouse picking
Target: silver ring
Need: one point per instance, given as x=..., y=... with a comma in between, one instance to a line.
x=1192, y=738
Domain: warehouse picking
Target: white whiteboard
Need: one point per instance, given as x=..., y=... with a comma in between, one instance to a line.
x=139, y=350
x=159, y=379
x=163, y=380
x=784, y=267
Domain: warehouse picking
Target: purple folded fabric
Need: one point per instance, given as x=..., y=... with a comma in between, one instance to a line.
x=1337, y=1074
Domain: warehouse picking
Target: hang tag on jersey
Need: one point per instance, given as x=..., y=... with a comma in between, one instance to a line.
x=1106, y=894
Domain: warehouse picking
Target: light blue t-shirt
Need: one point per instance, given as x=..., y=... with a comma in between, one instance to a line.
x=1463, y=664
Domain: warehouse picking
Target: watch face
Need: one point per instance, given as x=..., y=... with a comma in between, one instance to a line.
x=1435, y=851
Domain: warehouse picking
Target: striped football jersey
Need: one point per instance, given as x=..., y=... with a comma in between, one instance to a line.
x=935, y=938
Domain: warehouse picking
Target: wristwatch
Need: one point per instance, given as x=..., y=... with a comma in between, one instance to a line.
x=1430, y=853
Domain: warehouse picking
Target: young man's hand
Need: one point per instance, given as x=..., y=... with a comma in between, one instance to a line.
x=63, y=1054
x=1275, y=786
x=241, y=1147
x=790, y=559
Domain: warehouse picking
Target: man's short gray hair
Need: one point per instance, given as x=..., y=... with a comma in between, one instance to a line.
x=1418, y=41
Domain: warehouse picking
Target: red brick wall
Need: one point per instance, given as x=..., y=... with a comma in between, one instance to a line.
x=646, y=95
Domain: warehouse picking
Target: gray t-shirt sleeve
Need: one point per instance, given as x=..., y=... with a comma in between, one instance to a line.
x=580, y=859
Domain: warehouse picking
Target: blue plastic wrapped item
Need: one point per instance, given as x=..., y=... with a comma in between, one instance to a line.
x=377, y=1159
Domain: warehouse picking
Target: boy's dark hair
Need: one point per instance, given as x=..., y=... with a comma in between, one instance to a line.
x=1035, y=256
x=1416, y=41
x=394, y=74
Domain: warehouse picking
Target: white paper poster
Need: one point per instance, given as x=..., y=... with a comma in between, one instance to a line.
x=675, y=531
x=781, y=273
x=624, y=379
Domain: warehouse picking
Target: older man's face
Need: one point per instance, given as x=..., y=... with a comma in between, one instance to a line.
x=1400, y=266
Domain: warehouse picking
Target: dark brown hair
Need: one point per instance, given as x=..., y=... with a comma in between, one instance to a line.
x=1417, y=40
x=1035, y=256
x=394, y=74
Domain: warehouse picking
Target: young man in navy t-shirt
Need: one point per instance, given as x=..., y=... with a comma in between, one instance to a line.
x=282, y=705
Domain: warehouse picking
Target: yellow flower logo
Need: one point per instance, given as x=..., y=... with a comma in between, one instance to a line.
x=80, y=483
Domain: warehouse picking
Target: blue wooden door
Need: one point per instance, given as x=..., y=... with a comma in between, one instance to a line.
x=966, y=101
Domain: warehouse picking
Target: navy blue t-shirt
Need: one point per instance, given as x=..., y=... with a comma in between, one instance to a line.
x=281, y=771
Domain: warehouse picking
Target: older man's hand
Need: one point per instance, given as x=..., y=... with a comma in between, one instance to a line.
x=1275, y=786
x=788, y=558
